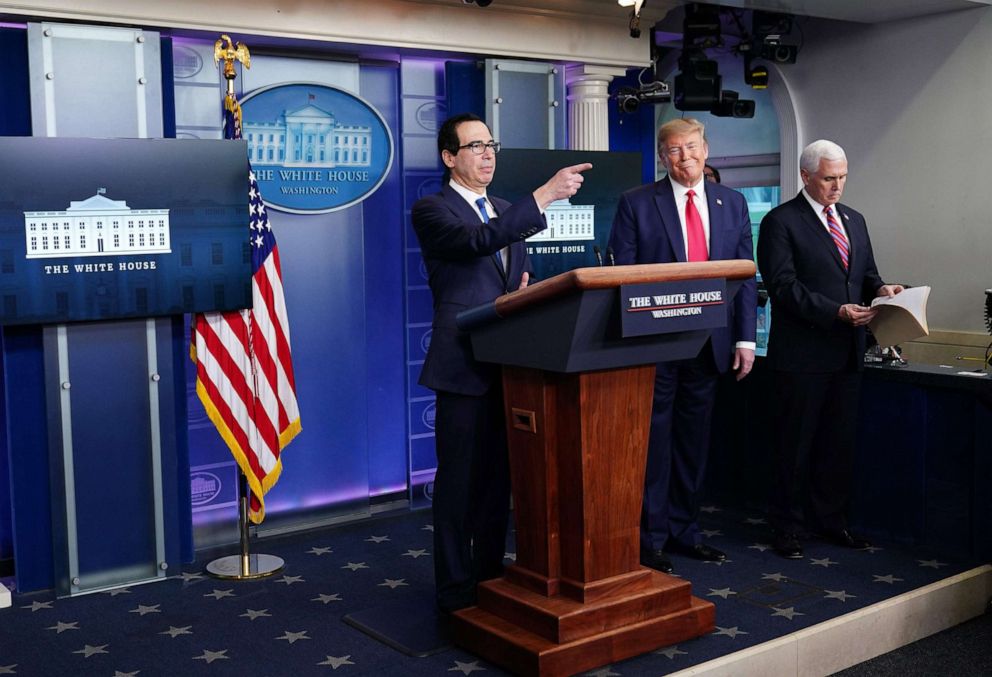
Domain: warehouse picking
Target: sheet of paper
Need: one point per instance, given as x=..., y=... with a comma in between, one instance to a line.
x=902, y=317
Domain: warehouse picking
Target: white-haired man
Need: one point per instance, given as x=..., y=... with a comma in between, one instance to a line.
x=815, y=257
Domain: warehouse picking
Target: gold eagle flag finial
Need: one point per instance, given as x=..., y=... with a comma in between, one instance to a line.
x=229, y=53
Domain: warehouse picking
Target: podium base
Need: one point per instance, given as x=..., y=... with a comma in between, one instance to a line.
x=530, y=634
x=259, y=566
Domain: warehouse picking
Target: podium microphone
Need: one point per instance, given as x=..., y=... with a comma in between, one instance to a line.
x=599, y=257
x=609, y=256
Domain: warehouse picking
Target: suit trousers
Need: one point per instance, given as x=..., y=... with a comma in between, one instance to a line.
x=678, y=444
x=471, y=494
x=815, y=423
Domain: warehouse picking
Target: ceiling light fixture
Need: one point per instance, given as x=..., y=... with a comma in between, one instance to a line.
x=635, y=15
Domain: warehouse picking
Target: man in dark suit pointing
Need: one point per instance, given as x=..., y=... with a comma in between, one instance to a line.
x=816, y=259
x=473, y=246
x=685, y=218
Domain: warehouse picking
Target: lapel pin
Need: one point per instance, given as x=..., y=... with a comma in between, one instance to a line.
x=719, y=202
x=846, y=217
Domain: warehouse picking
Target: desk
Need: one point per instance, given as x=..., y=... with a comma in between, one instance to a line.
x=923, y=473
x=924, y=463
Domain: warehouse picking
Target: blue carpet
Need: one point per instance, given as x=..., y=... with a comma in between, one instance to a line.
x=291, y=624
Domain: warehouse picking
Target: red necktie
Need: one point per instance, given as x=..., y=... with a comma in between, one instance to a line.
x=696, y=238
x=839, y=238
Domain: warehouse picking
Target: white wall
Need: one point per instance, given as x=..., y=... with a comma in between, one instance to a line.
x=583, y=31
x=911, y=103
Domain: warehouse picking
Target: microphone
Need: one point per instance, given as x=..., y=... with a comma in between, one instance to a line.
x=609, y=256
x=599, y=257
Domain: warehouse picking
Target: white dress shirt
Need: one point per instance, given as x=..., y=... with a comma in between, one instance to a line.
x=681, y=200
x=471, y=196
x=818, y=210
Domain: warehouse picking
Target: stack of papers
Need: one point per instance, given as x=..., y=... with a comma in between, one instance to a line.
x=902, y=317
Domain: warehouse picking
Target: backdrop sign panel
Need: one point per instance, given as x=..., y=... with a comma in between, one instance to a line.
x=315, y=148
x=576, y=227
x=666, y=307
x=96, y=229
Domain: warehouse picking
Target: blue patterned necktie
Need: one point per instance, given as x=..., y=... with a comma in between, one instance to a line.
x=481, y=204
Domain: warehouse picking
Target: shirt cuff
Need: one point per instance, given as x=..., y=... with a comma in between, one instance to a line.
x=750, y=345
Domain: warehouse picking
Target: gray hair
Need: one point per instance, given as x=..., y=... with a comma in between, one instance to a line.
x=820, y=150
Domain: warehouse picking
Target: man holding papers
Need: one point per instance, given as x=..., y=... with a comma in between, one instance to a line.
x=816, y=259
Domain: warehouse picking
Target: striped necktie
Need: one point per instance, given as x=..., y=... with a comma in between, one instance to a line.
x=839, y=238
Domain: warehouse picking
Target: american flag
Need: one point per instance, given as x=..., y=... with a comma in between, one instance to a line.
x=244, y=369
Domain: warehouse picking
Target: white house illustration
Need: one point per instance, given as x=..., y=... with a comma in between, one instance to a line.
x=308, y=137
x=567, y=222
x=96, y=226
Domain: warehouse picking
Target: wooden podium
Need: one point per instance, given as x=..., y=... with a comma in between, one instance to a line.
x=578, y=406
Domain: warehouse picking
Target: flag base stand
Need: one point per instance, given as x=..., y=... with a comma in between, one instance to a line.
x=244, y=566
x=234, y=567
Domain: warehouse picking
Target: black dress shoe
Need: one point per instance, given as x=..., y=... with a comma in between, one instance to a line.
x=846, y=539
x=657, y=560
x=699, y=551
x=787, y=545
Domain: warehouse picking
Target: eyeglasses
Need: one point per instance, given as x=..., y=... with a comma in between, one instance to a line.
x=478, y=147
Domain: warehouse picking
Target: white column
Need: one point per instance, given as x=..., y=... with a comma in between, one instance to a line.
x=588, y=106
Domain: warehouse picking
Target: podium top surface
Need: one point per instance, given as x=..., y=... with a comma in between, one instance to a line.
x=601, y=277
x=606, y=277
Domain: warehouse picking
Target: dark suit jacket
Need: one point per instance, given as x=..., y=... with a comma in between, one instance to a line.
x=459, y=251
x=646, y=229
x=807, y=284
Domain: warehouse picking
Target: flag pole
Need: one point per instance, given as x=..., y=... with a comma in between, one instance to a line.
x=245, y=565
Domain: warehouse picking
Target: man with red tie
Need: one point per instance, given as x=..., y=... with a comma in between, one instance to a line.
x=815, y=257
x=685, y=218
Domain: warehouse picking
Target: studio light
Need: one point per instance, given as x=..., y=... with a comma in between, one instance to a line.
x=697, y=87
x=629, y=99
x=731, y=105
x=769, y=32
x=756, y=76
x=635, y=15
